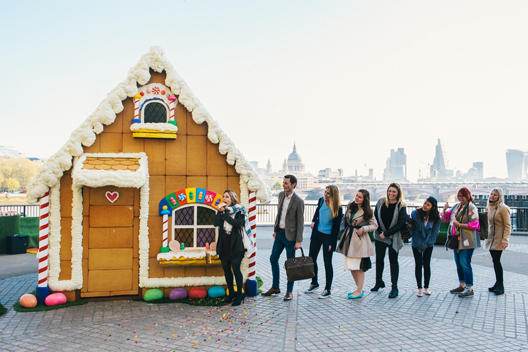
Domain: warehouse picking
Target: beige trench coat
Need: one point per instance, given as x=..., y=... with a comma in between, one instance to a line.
x=352, y=245
x=499, y=227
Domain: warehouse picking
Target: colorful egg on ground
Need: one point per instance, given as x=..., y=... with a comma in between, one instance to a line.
x=55, y=299
x=178, y=293
x=215, y=292
x=197, y=292
x=28, y=301
x=153, y=294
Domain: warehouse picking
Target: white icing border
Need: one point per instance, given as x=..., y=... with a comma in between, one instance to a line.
x=161, y=127
x=119, y=178
x=51, y=172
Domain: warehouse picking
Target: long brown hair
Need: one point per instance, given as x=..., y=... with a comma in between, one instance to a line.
x=233, y=196
x=334, y=200
x=367, y=210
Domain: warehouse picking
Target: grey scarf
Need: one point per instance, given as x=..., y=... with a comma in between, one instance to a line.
x=395, y=240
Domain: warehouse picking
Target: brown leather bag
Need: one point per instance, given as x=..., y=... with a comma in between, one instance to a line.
x=299, y=268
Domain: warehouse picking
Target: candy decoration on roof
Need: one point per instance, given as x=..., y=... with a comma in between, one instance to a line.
x=136, y=118
x=43, y=290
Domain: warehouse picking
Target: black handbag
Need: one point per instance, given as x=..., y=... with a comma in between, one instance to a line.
x=452, y=241
x=405, y=230
x=299, y=268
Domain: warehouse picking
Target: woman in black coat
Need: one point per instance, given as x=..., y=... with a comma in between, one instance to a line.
x=325, y=228
x=230, y=220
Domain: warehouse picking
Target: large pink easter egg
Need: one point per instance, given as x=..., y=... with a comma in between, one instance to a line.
x=28, y=301
x=55, y=299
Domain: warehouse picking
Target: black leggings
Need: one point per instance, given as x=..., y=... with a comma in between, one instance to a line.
x=381, y=249
x=422, y=259
x=321, y=239
x=497, y=266
x=235, y=265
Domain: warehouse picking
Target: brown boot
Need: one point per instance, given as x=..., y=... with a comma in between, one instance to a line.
x=288, y=296
x=271, y=291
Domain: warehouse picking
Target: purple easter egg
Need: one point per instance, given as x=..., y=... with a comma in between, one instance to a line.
x=178, y=293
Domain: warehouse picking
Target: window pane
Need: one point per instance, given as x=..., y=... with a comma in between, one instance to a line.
x=205, y=216
x=184, y=236
x=184, y=216
x=155, y=112
x=205, y=236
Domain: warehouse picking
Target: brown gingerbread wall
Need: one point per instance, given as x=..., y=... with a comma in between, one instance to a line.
x=189, y=161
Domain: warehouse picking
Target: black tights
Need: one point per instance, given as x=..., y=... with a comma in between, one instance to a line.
x=322, y=240
x=422, y=259
x=381, y=249
x=497, y=266
x=235, y=265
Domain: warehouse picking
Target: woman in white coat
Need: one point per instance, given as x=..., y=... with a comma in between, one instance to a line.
x=355, y=242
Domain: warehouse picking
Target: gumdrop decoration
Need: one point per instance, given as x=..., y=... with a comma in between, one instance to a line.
x=182, y=246
x=207, y=247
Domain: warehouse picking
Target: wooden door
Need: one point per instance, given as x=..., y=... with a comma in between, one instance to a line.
x=111, y=268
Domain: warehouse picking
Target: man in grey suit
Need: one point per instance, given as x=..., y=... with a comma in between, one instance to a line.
x=289, y=226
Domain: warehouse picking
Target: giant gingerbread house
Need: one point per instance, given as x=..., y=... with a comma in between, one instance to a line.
x=146, y=168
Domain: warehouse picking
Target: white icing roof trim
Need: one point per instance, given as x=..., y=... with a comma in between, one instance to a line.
x=51, y=172
x=160, y=126
x=119, y=178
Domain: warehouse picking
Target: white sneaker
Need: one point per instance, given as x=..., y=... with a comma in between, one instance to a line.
x=325, y=294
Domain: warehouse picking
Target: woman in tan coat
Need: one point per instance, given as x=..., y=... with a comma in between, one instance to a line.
x=355, y=242
x=498, y=235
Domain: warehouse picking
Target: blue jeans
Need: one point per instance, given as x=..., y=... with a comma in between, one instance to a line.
x=463, y=263
x=278, y=246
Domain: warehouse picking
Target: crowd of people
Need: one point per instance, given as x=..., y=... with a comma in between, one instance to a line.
x=348, y=234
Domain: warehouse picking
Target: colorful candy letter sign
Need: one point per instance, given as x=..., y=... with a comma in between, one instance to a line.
x=190, y=195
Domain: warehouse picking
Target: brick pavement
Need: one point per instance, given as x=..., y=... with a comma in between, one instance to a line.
x=440, y=322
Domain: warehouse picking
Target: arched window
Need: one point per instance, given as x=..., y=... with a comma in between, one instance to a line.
x=155, y=112
x=193, y=225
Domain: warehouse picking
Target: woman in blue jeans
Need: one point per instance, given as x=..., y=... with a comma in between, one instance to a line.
x=464, y=223
x=325, y=227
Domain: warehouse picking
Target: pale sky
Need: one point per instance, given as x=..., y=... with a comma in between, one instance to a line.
x=346, y=80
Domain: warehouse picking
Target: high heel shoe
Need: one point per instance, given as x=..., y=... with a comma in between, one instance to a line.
x=492, y=288
x=239, y=298
x=230, y=298
x=378, y=286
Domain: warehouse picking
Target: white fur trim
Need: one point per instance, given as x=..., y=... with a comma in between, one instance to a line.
x=51, y=172
x=144, y=243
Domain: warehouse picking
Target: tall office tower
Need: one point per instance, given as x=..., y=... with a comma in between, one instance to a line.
x=438, y=168
x=479, y=170
x=396, y=167
x=516, y=163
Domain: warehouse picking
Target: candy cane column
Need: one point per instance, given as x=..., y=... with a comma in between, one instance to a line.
x=165, y=246
x=173, y=101
x=136, y=118
x=42, y=290
x=252, y=217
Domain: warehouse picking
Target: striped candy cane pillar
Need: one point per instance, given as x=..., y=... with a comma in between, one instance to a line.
x=42, y=290
x=252, y=217
x=136, y=119
x=165, y=246
x=43, y=241
x=172, y=104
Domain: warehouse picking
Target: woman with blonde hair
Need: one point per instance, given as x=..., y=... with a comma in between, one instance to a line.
x=325, y=228
x=355, y=242
x=498, y=235
x=391, y=214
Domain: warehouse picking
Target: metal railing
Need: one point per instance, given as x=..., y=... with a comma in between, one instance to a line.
x=26, y=210
x=266, y=214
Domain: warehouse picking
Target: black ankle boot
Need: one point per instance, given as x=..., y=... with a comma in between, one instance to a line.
x=393, y=293
x=231, y=296
x=499, y=290
x=239, y=298
x=378, y=286
x=492, y=288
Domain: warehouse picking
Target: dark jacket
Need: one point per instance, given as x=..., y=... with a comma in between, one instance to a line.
x=336, y=223
x=423, y=236
x=237, y=246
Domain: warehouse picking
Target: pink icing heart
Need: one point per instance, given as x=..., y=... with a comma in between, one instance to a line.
x=112, y=196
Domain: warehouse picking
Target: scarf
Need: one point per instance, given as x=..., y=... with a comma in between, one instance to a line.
x=395, y=241
x=232, y=211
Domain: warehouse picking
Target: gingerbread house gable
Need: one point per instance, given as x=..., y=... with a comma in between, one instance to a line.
x=116, y=178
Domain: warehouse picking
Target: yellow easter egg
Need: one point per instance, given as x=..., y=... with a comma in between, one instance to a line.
x=235, y=288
